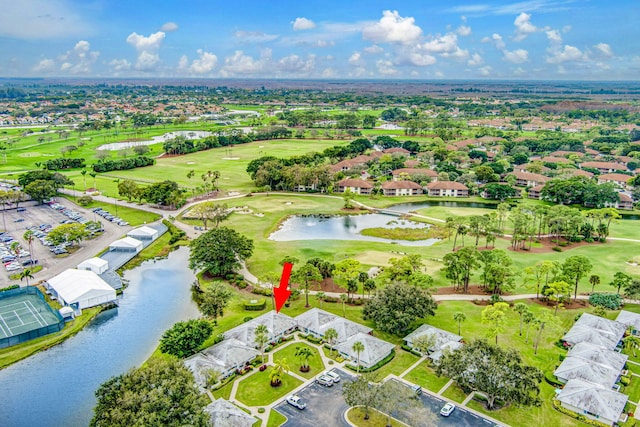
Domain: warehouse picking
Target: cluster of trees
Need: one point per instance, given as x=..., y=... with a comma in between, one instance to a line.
x=122, y=164
x=497, y=274
x=219, y=251
x=183, y=145
x=64, y=163
x=72, y=234
x=42, y=184
x=185, y=338
x=581, y=191
x=321, y=119
x=165, y=193
x=160, y=393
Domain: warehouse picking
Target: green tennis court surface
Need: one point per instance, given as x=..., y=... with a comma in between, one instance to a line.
x=23, y=313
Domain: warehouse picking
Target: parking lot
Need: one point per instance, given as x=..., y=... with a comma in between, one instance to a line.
x=33, y=216
x=326, y=407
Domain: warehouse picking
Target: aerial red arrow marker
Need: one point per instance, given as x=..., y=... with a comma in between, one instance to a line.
x=282, y=293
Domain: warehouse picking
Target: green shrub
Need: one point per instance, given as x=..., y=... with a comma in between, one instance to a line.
x=552, y=380
x=411, y=350
x=261, y=410
x=608, y=301
x=8, y=288
x=185, y=338
x=557, y=249
x=255, y=306
x=262, y=291
x=625, y=381
x=311, y=338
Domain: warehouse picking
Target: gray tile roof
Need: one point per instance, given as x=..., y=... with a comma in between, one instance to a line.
x=443, y=338
x=277, y=324
x=584, y=369
x=375, y=349
x=597, y=354
x=222, y=357
x=596, y=330
x=629, y=319
x=319, y=321
x=223, y=413
x=605, y=403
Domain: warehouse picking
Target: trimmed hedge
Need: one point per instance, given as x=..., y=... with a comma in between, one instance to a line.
x=64, y=163
x=123, y=164
x=411, y=350
x=255, y=306
x=552, y=380
x=8, y=288
x=310, y=338
x=378, y=365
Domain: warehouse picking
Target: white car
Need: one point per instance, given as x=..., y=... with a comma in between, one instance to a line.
x=335, y=377
x=447, y=409
x=296, y=401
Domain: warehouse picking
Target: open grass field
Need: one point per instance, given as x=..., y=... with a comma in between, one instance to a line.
x=256, y=390
x=315, y=362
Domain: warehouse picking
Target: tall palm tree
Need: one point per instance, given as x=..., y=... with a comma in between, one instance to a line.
x=343, y=300
x=29, y=236
x=26, y=274
x=261, y=338
x=320, y=296
x=632, y=342
x=83, y=172
x=280, y=367
x=358, y=347
x=594, y=280
x=459, y=317
x=331, y=335
x=303, y=354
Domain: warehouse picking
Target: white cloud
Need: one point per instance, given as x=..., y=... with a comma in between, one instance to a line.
x=420, y=59
x=254, y=36
x=517, y=56
x=118, y=65
x=41, y=20
x=241, y=64
x=324, y=43
x=440, y=44
x=328, y=73
x=566, y=54
x=293, y=64
x=169, y=27
x=485, y=71
x=45, y=66
x=373, y=49
x=475, y=60
x=392, y=28
x=79, y=59
x=496, y=39
x=457, y=54
x=301, y=24
x=385, y=67
x=463, y=30
x=603, y=49
x=554, y=36
x=355, y=58
x=524, y=27
x=205, y=63
x=147, y=47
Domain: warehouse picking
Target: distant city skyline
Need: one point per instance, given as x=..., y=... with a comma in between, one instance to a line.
x=359, y=39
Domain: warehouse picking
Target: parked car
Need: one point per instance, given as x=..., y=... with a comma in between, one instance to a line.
x=335, y=377
x=447, y=409
x=296, y=401
x=21, y=209
x=417, y=390
x=325, y=380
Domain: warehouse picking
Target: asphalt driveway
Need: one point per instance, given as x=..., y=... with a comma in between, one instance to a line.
x=325, y=406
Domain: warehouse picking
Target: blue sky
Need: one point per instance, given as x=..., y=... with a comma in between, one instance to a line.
x=346, y=39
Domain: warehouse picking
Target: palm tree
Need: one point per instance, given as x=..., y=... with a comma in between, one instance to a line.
x=369, y=286
x=343, y=300
x=93, y=175
x=358, y=347
x=280, y=367
x=331, y=335
x=633, y=342
x=594, y=280
x=528, y=317
x=261, y=338
x=520, y=308
x=459, y=317
x=26, y=274
x=320, y=296
x=303, y=354
x=83, y=172
x=29, y=236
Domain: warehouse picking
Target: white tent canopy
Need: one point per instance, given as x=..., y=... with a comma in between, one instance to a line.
x=128, y=244
x=144, y=233
x=81, y=287
x=97, y=265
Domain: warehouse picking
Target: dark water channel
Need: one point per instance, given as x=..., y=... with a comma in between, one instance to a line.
x=56, y=387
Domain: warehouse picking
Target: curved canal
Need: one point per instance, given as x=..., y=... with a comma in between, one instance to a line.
x=56, y=387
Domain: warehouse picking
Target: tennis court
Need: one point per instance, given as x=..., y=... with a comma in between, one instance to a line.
x=25, y=315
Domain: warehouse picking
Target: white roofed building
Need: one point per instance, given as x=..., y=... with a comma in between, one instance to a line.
x=317, y=322
x=223, y=413
x=596, y=330
x=224, y=357
x=375, y=349
x=81, y=289
x=630, y=319
x=584, y=369
x=144, y=233
x=127, y=244
x=593, y=401
x=278, y=325
x=97, y=265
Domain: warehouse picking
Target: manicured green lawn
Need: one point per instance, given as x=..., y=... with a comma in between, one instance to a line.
x=224, y=392
x=256, y=389
x=633, y=389
x=400, y=363
x=315, y=362
x=276, y=419
x=376, y=419
x=425, y=376
x=455, y=393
